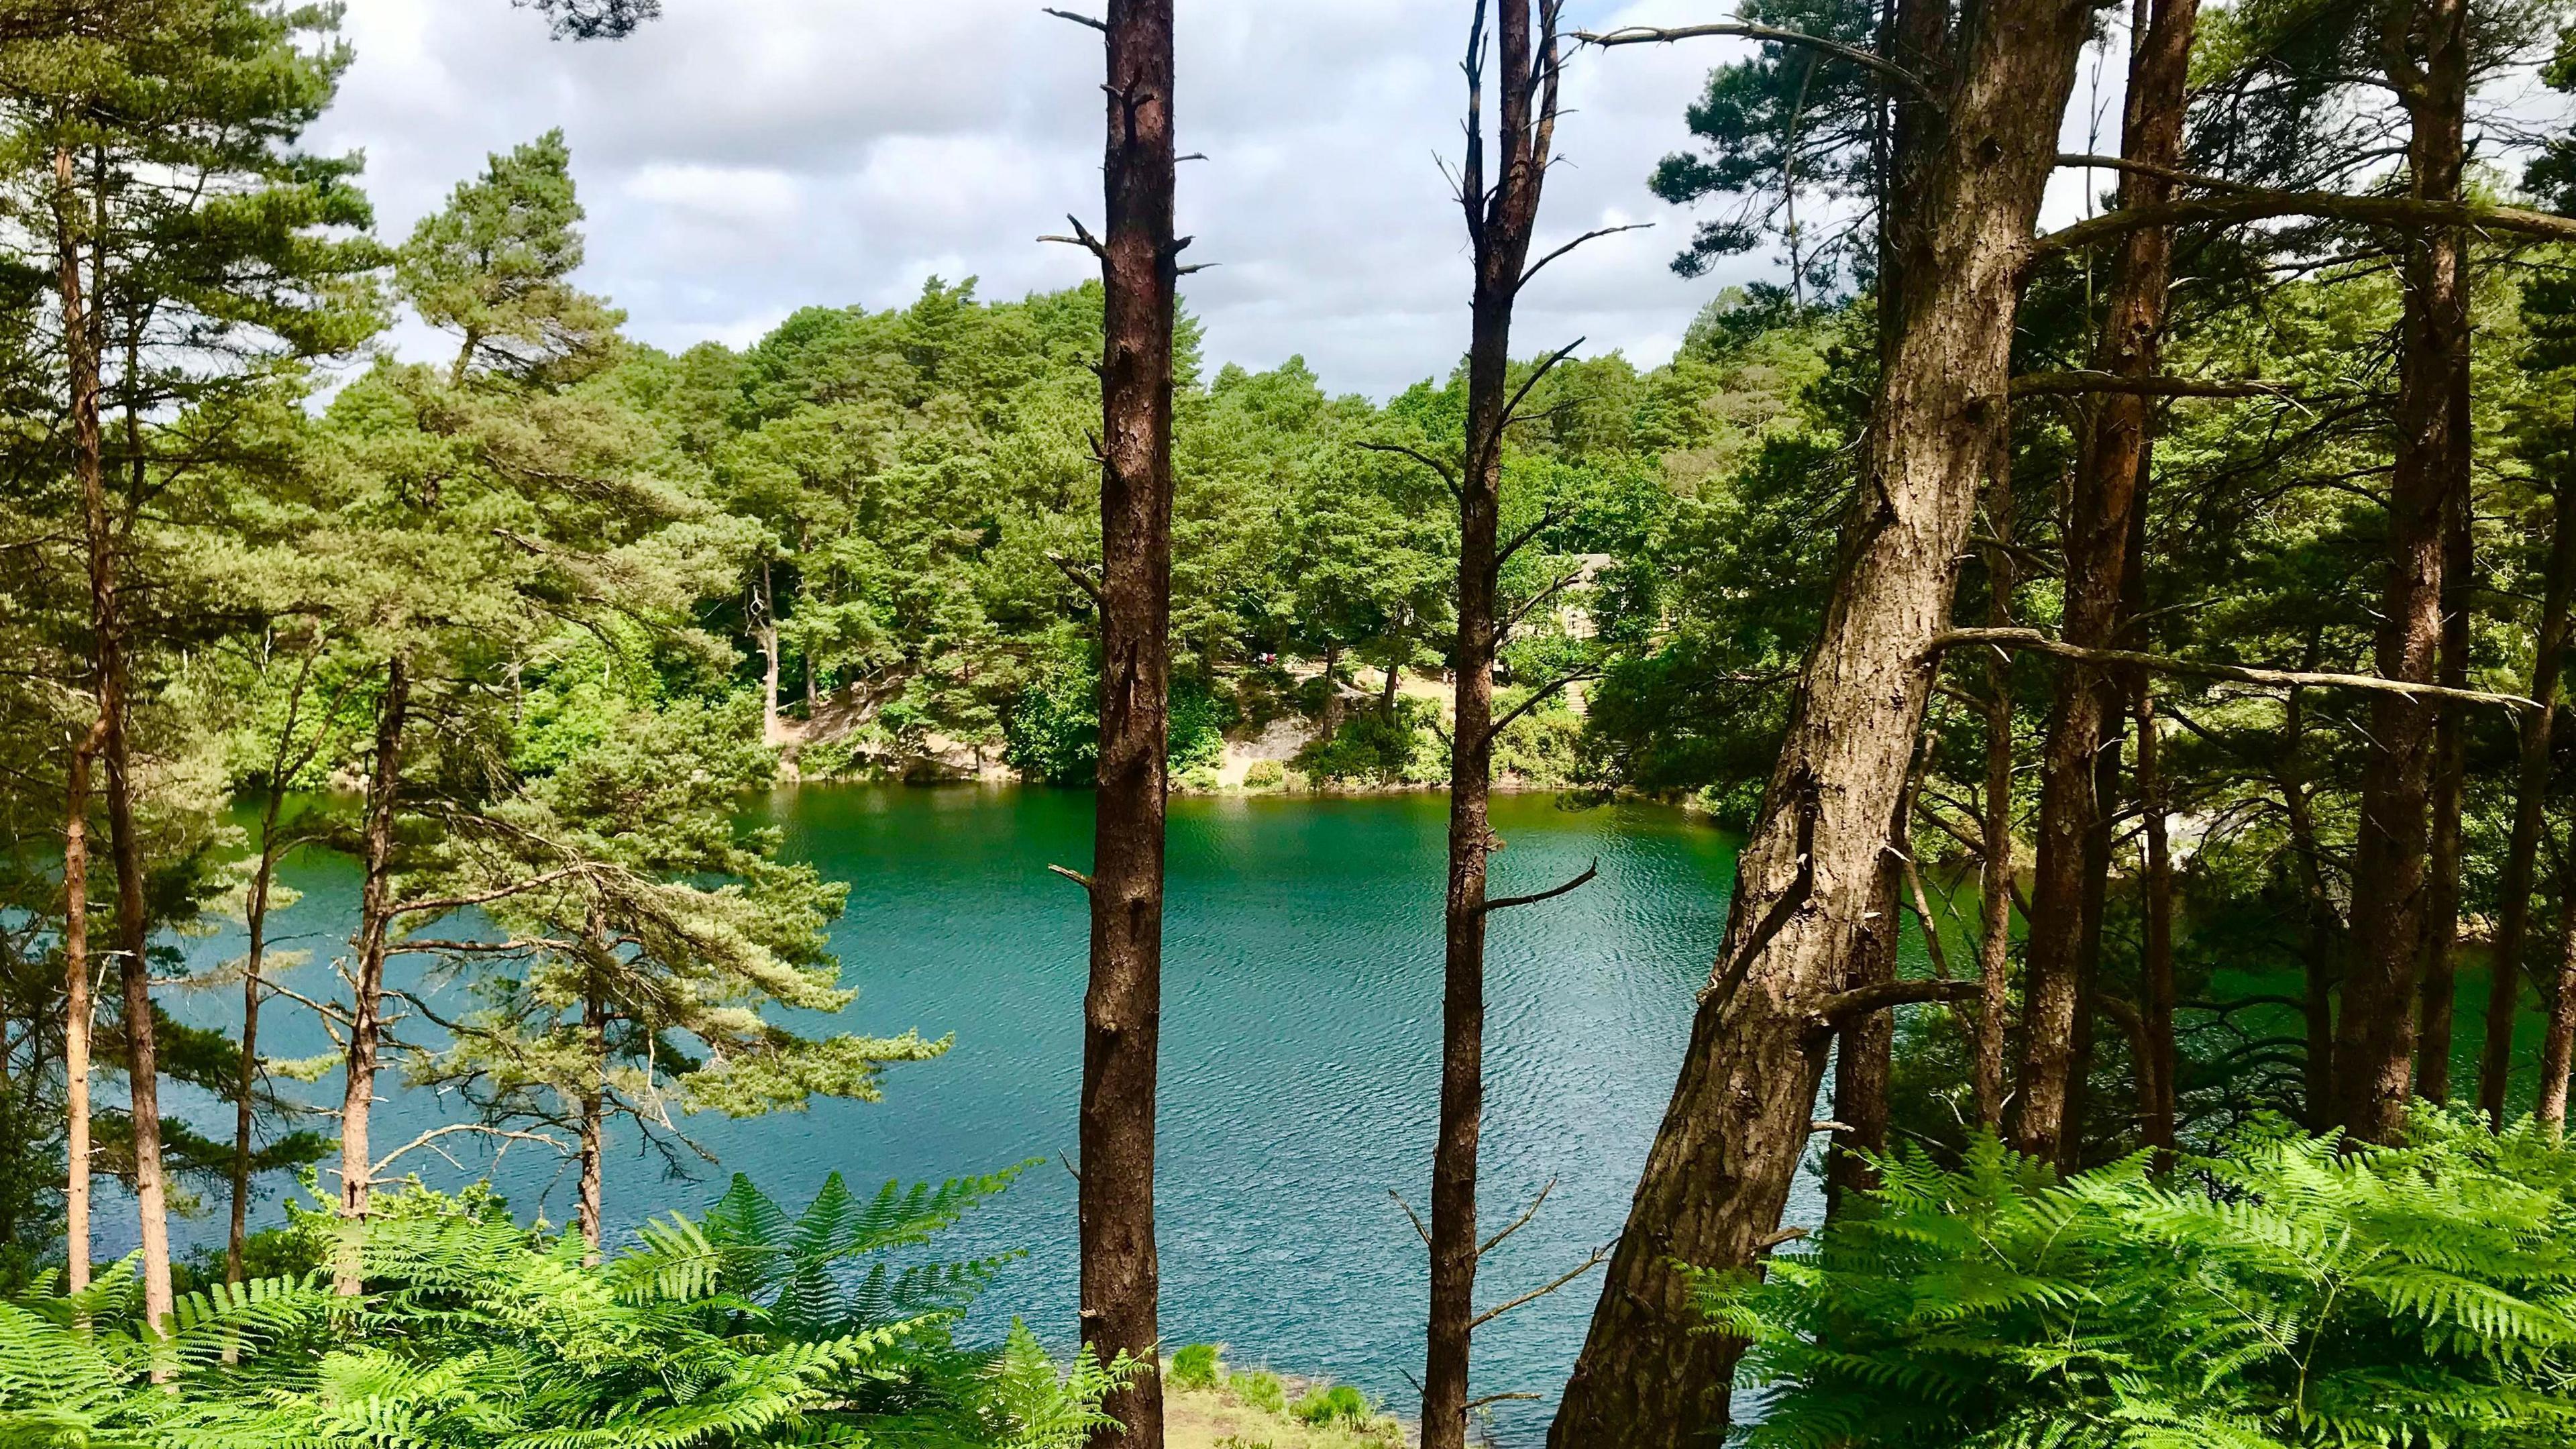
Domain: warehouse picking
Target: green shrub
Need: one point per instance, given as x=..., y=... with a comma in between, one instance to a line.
x=1371, y=748
x=1339, y=1404
x=1051, y=732
x=1195, y=1366
x=1260, y=1389
x=1265, y=775
x=1199, y=720
x=2282, y=1293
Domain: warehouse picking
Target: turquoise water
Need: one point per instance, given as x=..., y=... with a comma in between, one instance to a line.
x=1300, y=1054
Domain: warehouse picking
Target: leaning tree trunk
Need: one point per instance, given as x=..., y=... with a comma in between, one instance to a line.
x=366, y=995
x=1741, y=1114
x=2107, y=492
x=1122, y=1012
x=2440, y=972
x=1500, y=220
x=2530, y=810
x=2375, y=1036
x=79, y=1014
x=1864, y=1063
x=246, y=1078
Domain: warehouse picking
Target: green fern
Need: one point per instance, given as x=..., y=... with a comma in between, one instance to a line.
x=2288, y=1291
x=747, y=1327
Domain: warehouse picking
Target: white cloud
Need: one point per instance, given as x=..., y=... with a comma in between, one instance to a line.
x=742, y=158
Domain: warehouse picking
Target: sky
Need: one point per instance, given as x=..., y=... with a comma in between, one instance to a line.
x=740, y=159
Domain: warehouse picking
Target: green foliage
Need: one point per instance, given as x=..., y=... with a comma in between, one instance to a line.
x=1196, y=1366
x=1053, y=728
x=1265, y=775
x=731, y=1331
x=1334, y=1404
x=2283, y=1292
x=1373, y=749
x=1259, y=1388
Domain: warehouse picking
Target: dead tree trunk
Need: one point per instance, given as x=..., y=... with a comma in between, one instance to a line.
x=2162, y=1063
x=79, y=1014
x=2530, y=811
x=367, y=987
x=2375, y=1036
x=1723, y=1161
x=594, y=1114
x=2439, y=974
x=1502, y=213
x=2107, y=491
x=246, y=1079
x=1122, y=1012
x=1995, y=831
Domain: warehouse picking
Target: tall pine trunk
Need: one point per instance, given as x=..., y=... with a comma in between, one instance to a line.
x=366, y=995
x=1501, y=216
x=2109, y=487
x=79, y=1013
x=2558, y=1039
x=2440, y=973
x=1122, y=1011
x=2530, y=809
x=1737, y=1127
x=125, y=847
x=1995, y=830
x=594, y=1114
x=2375, y=1035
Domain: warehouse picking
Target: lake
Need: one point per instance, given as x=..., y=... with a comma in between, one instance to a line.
x=1300, y=1055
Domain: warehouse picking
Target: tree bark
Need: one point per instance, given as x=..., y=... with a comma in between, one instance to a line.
x=773, y=729
x=2375, y=1037
x=2530, y=811
x=2558, y=1041
x=79, y=1015
x=2109, y=483
x=1332, y=724
x=1501, y=218
x=1122, y=1011
x=366, y=995
x=1649, y=1376
x=2439, y=974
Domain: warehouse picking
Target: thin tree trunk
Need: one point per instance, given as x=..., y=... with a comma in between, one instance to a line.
x=2450, y=779
x=81, y=348
x=2558, y=1040
x=366, y=996
x=1650, y=1376
x=79, y=1015
x=2088, y=957
x=2530, y=811
x=1994, y=947
x=246, y=1080
x=1864, y=1061
x=594, y=1105
x=1332, y=692
x=2162, y=1060
x=1122, y=1012
x=1386, y=696
x=1501, y=218
x=773, y=729
x=2375, y=1037
x=2108, y=485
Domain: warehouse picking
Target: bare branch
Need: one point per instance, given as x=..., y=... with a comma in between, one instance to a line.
x=1082, y=20
x=1539, y=696
x=1550, y=519
x=1080, y=579
x=2148, y=168
x=1512, y=409
x=1505, y=903
x=2322, y=205
x=1447, y=474
x=1410, y=1213
x=1588, y=236
x=432, y=1135
x=1082, y=238
x=1842, y=1006
x=2069, y=384
x=1520, y=1222
x=2037, y=642
x=1480, y=1402
x=1741, y=30
x=1075, y=876
x=1600, y=1255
